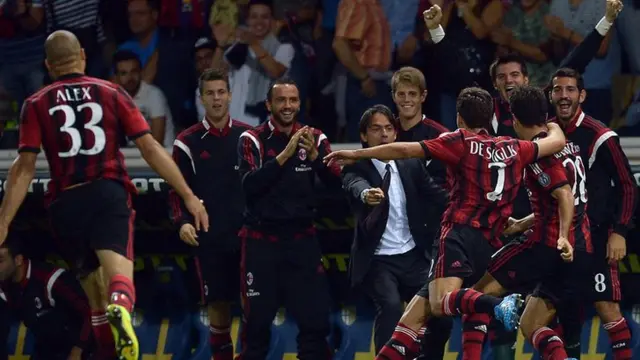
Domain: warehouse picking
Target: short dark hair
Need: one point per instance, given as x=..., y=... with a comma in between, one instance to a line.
x=213, y=75
x=475, y=105
x=505, y=59
x=154, y=5
x=266, y=3
x=365, y=119
x=285, y=80
x=529, y=105
x=13, y=244
x=571, y=73
x=125, y=55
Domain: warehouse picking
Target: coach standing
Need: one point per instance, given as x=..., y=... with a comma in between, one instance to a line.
x=281, y=258
x=204, y=152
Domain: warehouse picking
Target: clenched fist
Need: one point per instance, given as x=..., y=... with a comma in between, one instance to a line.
x=433, y=17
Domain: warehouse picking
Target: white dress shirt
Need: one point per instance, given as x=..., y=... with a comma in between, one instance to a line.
x=396, y=238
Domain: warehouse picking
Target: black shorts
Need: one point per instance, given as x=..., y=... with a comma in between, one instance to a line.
x=529, y=264
x=95, y=216
x=218, y=274
x=605, y=278
x=463, y=252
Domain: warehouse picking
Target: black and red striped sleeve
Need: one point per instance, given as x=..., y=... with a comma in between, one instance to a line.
x=616, y=164
x=131, y=118
x=448, y=147
x=69, y=296
x=30, y=129
x=182, y=156
x=528, y=151
x=330, y=175
x=256, y=175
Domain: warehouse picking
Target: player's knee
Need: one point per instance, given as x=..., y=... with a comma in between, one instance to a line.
x=527, y=326
x=415, y=315
x=608, y=311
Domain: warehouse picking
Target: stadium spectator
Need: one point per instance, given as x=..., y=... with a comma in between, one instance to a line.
x=466, y=52
x=627, y=27
x=363, y=45
x=524, y=32
x=84, y=19
x=570, y=21
x=21, y=46
x=161, y=56
x=148, y=98
x=204, y=50
x=255, y=58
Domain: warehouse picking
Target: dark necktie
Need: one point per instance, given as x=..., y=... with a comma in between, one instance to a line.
x=376, y=221
x=386, y=180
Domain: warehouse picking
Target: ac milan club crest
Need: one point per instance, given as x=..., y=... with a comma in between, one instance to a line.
x=302, y=154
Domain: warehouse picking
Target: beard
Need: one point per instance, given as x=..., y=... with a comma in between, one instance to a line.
x=566, y=109
x=285, y=119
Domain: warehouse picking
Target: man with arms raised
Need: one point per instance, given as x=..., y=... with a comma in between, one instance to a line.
x=79, y=122
x=487, y=177
x=205, y=153
x=612, y=189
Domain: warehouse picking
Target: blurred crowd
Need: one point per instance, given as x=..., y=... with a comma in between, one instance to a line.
x=341, y=53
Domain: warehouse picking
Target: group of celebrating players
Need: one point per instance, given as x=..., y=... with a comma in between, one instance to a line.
x=559, y=255
x=566, y=252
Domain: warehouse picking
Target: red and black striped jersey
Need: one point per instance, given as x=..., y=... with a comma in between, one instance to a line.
x=80, y=122
x=52, y=305
x=488, y=173
x=542, y=178
x=611, y=184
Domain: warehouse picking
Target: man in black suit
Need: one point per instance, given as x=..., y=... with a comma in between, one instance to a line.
x=393, y=201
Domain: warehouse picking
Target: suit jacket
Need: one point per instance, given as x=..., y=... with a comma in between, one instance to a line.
x=425, y=205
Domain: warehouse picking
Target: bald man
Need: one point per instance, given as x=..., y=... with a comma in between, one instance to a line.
x=79, y=121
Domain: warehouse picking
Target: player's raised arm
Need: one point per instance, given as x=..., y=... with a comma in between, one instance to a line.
x=447, y=148
x=395, y=151
x=553, y=143
x=23, y=168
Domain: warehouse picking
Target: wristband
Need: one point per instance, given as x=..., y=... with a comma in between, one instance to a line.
x=437, y=34
x=603, y=26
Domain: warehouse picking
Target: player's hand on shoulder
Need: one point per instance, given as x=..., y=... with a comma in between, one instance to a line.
x=373, y=196
x=513, y=226
x=189, y=235
x=199, y=213
x=566, y=250
x=616, y=248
